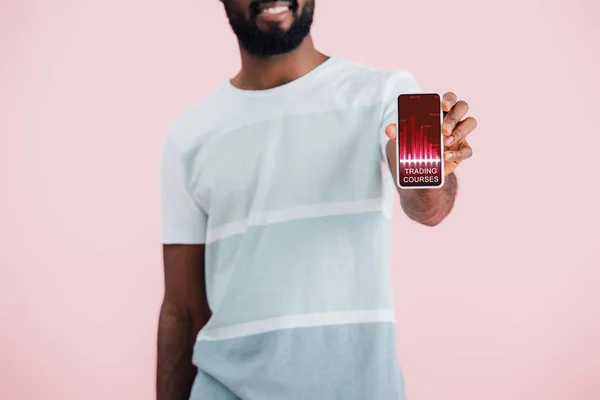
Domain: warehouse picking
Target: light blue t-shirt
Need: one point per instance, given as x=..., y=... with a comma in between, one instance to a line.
x=291, y=193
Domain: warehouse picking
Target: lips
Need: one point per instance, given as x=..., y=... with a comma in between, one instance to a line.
x=273, y=7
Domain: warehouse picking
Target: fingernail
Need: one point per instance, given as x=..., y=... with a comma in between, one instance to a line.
x=447, y=104
x=449, y=156
x=449, y=139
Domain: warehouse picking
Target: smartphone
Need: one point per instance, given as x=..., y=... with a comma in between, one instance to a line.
x=419, y=145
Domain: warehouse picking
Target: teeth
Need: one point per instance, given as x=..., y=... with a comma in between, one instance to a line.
x=275, y=10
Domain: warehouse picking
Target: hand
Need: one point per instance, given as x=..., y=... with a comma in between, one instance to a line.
x=455, y=129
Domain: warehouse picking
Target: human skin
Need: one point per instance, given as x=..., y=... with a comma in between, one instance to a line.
x=432, y=206
x=185, y=309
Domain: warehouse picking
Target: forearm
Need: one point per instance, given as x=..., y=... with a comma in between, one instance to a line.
x=175, y=371
x=426, y=206
x=430, y=206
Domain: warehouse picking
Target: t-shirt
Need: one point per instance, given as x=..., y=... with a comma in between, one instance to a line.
x=290, y=190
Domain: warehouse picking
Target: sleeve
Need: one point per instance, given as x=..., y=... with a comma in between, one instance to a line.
x=399, y=83
x=183, y=221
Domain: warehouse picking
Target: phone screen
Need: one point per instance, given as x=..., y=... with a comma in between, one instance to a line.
x=420, y=158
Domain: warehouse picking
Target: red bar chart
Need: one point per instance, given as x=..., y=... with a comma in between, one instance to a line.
x=416, y=144
x=419, y=140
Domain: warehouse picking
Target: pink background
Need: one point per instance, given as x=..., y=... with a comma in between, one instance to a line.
x=507, y=308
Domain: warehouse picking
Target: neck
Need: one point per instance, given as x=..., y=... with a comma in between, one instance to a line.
x=266, y=73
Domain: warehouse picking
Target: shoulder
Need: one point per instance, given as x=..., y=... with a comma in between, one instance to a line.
x=195, y=123
x=380, y=83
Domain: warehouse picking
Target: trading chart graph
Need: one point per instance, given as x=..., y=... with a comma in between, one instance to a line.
x=417, y=144
x=419, y=140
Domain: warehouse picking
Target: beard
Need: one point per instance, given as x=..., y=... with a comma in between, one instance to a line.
x=274, y=41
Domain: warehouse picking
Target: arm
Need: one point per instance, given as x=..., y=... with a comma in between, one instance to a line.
x=183, y=313
x=426, y=206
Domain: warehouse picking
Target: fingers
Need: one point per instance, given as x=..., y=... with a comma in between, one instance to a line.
x=463, y=128
x=448, y=101
x=464, y=152
x=454, y=116
x=390, y=131
x=455, y=129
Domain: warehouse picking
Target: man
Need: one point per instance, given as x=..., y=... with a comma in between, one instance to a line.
x=277, y=194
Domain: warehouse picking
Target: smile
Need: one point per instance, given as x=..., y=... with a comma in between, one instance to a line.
x=275, y=7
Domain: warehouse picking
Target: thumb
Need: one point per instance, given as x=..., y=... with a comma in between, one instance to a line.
x=390, y=131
